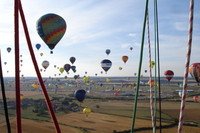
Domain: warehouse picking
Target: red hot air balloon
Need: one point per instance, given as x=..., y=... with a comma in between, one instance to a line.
x=194, y=70
x=169, y=74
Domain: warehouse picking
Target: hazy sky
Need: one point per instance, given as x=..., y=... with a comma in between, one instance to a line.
x=96, y=25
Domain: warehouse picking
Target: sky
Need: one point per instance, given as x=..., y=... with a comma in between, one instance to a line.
x=96, y=25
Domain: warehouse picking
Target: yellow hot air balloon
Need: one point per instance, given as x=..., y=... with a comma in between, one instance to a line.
x=152, y=64
x=35, y=86
x=61, y=69
x=125, y=58
x=87, y=111
x=86, y=80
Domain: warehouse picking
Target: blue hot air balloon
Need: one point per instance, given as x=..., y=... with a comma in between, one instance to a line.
x=80, y=95
x=108, y=51
x=38, y=46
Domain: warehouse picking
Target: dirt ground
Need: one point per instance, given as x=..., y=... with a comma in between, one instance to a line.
x=94, y=123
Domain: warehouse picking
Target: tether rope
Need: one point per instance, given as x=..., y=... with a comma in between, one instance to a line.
x=158, y=62
x=139, y=69
x=4, y=98
x=185, y=80
x=150, y=74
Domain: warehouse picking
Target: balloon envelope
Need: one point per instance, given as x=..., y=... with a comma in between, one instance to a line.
x=8, y=49
x=51, y=28
x=45, y=64
x=38, y=46
x=72, y=60
x=194, y=71
x=80, y=95
x=107, y=51
x=125, y=58
x=106, y=64
x=87, y=111
x=169, y=74
x=67, y=67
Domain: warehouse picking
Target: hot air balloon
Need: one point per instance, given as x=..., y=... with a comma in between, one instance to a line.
x=41, y=54
x=80, y=95
x=169, y=74
x=196, y=98
x=120, y=68
x=73, y=68
x=76, y=77
x=194, y=71
x=145, y=71
x=86, y=80
x=107, y=51
x=131, y=48
x=51, y=28
x=72, y=59
x=9, y=49
x=125, y=58
x=38, y=46
x=152, y=64
x=87, y=111
x=67, y=67
x=61, y=70
x=35, y=86
x=45, y=64
x=5, y=63
x=151, y=82
x=106, y=64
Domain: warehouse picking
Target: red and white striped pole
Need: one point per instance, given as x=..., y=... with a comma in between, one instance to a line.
x=181, y=116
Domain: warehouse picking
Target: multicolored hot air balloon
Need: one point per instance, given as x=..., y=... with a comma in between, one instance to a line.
x=72, y=59
x=108, y=51
x=194, y=71
x=9, y=49
x=38, y=46
x=169, y=74
x=51, y=28
x=67, y=67
x=45, y=64
x=124, y=58
x=106, y=64
x=80, y=95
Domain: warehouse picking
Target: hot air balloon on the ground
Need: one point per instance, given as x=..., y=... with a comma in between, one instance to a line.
x=72, y=59
x=87, y=111
x=124, y=58
x=9, y=49
x=106, y=64
x=108, y=51
x=169, y=74
x=194, y=70
x=67, y=67
x=51, y=28
x=45, y=64
x=38, y=46
x=80, y=95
